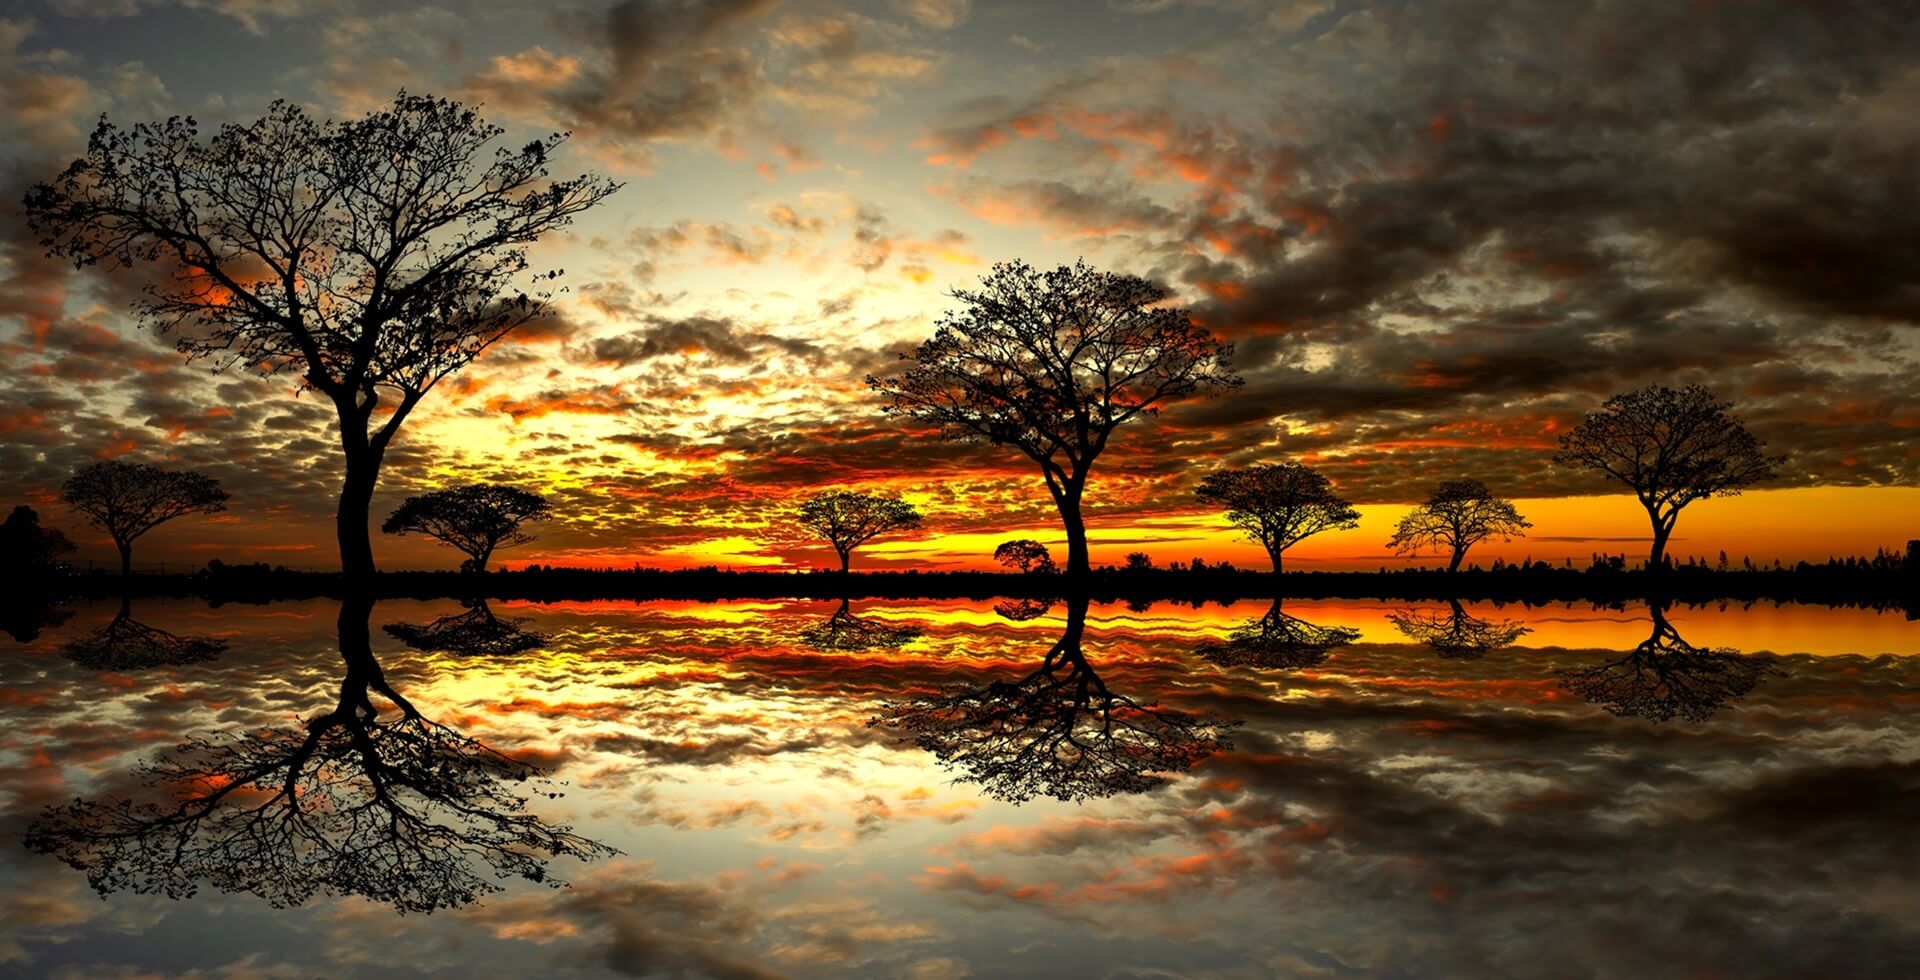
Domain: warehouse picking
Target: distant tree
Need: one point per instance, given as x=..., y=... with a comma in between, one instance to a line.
x=1139, y=561
x=1671, y=448
x=1025, y=556
x=27, y=550
x=1278, y=504
x=478, y=518
x=848, y=519
x=1457, y=515
x=1052, y=363
x=371, y=257
x=127, y=500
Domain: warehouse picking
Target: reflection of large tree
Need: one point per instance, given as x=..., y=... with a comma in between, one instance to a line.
x=1275, y=639
x=126, y=643
x=400, y=810
x=845, y=631
x=477, y=631
x=1665, y=676
x=1456, y=634
x=1057, y=731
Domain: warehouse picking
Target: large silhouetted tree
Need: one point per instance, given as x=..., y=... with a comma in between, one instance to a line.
x=1278, y=504
x=1670, y=448
x=127, y=500
x=848, y=519
x=1457, y=515
x=1052, y=363
x=478, y=518
x=371, y=257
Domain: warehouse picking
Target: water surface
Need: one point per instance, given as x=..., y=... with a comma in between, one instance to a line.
x=946, y=789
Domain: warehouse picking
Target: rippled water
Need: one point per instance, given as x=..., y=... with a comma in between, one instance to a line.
x=945, y=789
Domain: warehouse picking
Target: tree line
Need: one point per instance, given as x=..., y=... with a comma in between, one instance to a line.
x=375, y=257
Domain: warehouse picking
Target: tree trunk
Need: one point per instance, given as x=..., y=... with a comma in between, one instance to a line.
x=1275, y=555
x=846, y=560
x=126, y=558
x=350, y=521
x=1662, y=529
x=1077, y=560
x=1459, y=554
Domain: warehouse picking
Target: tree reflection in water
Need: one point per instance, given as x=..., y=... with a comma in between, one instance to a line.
x=1021, y=610
x=126, y=643
x=400, y=810
x=1456, y=634
x=1056, y=732
x=476, y=632
x=845, y=631
x=1277, y=640
x=1666, y=677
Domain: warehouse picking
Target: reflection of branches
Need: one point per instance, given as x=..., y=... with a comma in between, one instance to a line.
x=1665, y=676
x=1456, y=634
x=845, y=631
x=1278, y=640
x=1057, y=732
x=128, y=644
x=402, y=810
x=476, y=632
x=1021, y=610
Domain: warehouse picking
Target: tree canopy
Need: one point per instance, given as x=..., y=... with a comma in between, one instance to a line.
x=477, y=518
x=1024, y=555
x=848, y=519
x=1457, y=515
x=1278, y=504
x=373, y=257
x=1052, y=363
x=1670, y=448
x=127, y=500
x=29, y=551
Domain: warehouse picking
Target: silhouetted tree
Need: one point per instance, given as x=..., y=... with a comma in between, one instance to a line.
x=1052, y=363
x=1671, y=448
x=372, y=257
x=845, y=631
x=1139, y=561
x=1457, y=634
x=1457, y=515
x=400, y=810
x=126, y=644
x=1025, y=556
x=476, y=632
x=1665, y=676
x=848, y=519
x=127, y=500
x=1276, y=640
x=477, y=518
x=1058, y=731
x=29, y=553
x=1278, y=504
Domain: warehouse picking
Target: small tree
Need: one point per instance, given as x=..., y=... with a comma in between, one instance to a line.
x=1457, y=515
x=1139, y=561
x=1052, y=363
x=127, y=500
x=1671, y=448
x=1025, y=556
x=1278, y=504
x=848, y=519
x=478, y=518
x=28, y=552
x=371, y=257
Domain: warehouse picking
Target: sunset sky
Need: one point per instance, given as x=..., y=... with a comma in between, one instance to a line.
x=1437, y=233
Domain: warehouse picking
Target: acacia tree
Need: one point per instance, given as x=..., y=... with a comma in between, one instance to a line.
x=127, y=500
x=1052, y=363
x=1457, y=515
x=1024, y=555
x=372, y=257
x=477, y=518
x=1278, y=504
x=848, y=519
x=1671, y=448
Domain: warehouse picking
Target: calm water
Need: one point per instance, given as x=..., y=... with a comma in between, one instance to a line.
x=760, y=789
